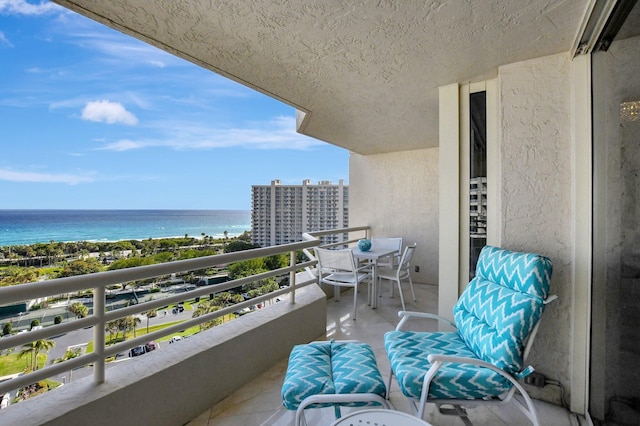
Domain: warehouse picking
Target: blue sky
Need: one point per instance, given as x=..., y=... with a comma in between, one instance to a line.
x=93, y=119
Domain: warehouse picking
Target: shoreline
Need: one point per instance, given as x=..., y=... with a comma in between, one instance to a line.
x=105, y=241
x=196, y=237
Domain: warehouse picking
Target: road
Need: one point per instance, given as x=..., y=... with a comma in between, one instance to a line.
x=82, y=336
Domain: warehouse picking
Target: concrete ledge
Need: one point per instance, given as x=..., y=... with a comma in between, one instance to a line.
x=177, y=383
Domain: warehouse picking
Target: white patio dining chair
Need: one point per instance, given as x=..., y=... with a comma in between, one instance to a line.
x=399, y=273
x=338, y=268
x=393, y=243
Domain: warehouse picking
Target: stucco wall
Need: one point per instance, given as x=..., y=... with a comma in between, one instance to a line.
x=536, y=189
x=396, y=194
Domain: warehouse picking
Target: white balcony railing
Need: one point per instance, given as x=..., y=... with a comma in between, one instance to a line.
x=99, y=318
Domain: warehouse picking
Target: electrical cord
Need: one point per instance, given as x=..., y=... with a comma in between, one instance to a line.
x=557, y=383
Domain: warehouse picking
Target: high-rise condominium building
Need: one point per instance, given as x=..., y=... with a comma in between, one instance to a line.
x=281, y=213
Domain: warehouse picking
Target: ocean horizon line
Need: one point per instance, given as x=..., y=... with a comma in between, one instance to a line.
x=34, y=226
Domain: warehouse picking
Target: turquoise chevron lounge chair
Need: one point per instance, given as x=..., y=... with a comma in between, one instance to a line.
x=496, y=320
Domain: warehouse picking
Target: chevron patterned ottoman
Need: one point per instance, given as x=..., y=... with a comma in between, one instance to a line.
x=333, y=373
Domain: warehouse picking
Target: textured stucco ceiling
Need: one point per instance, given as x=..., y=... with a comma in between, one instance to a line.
x=366, y=73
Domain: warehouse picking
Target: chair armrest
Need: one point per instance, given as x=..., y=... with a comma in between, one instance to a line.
x=437, y=360
x=406, y=315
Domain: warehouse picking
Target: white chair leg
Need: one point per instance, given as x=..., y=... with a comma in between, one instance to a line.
x=355, y=301
x=390, y=377
x=413, y=293
x=404, y=308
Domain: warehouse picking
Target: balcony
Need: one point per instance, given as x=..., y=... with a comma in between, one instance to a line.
x=258, y=402
x=230, y=374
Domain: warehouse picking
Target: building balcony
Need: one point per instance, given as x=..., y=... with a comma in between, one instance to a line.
x=230, y=374
x=259, y=402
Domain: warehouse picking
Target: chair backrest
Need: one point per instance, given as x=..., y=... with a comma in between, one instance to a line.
x=407, y=255
x=387, y=243
x=335, y=260
x=502, y=304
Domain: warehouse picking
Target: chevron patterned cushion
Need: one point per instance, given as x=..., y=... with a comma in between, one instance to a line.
x=408, y=352
x=321, y=368
x=502, y=304
x=494, y=316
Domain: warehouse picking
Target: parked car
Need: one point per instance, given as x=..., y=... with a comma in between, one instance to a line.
x=151, y=346
x=244, y=311
x=175, y=339
x=137, y=351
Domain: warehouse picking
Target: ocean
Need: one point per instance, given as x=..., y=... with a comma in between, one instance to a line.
x=22, y=227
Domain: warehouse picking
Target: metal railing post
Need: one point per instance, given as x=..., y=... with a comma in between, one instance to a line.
x=99, y=334
x=292, y=276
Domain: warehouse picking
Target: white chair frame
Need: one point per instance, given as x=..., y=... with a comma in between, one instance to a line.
x=399, y=273
x=459, y=405
x=338, y=268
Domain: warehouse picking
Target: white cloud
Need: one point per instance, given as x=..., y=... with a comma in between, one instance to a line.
x=108, y=112
x=278, y=133
x=114, y=46
x=14, y=176
x=22, y=7
x=4, y=40
x=123, y=145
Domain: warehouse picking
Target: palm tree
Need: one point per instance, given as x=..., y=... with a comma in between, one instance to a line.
x=27, y=349
x=78, y=309
x=150, y=314
x=128, y=324
x=69, y=354
x=112, y=327
x=33, y=349
x=203, y=309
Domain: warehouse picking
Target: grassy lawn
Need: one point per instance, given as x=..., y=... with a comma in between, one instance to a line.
x=142, y=330
x=10, y=364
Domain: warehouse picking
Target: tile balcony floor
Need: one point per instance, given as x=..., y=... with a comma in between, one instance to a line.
x=259, y=402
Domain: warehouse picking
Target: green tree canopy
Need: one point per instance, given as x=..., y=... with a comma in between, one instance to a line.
x=78, y=309
x=81, y=267
x=17, y=275
x=276, y=261
x=131, y=262
x=239, y=245
x=7, y=329
x=244, y=268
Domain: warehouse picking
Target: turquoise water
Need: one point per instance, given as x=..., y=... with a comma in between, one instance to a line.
x=19, y=227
